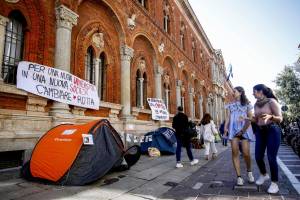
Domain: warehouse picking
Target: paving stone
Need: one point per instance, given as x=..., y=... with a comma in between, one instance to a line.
x=180, y=192
x=21, y=193
x=64, y=193
x=151, y=190
x=129, y=197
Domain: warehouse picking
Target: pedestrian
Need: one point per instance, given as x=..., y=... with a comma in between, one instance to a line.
x=181, y=125
x=208, y=131
x=267, y=115
x=221, y=129
x=239, y=130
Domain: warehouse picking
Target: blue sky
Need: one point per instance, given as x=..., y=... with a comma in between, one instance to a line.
x=257, y=37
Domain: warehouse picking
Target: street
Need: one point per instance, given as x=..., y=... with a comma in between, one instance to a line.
x=157, y=178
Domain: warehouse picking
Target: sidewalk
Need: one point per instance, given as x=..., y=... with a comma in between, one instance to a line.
x=216, y=180
x=155, y=178
x=148, y=179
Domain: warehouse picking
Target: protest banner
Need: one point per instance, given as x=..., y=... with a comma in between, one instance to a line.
x=158, y=109
x=57, y=85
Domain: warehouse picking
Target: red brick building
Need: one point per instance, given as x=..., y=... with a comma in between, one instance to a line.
x=130, y=49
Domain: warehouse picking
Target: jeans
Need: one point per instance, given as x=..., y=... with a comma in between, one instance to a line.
x=178, y=150
x=268, y=137
x=224, y=141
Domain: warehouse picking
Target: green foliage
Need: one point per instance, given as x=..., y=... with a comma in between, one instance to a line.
x=288, y=91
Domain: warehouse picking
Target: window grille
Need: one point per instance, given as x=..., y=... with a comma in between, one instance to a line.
x=143, y=3
x=89, y=66
x=13, y=48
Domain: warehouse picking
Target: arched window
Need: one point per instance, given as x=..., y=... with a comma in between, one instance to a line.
x=102, y=77
x=89, y=66
x=194, y=50
x=145, y=89
x=13, y=47
x=182, y=36
x=166, y=19
x=143, y=3
x=166, y=23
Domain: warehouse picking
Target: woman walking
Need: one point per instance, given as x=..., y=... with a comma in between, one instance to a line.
x=267, y=116
x=239, y=130
x=208, y=130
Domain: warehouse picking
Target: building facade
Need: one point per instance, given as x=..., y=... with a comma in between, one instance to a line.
x=130, y=49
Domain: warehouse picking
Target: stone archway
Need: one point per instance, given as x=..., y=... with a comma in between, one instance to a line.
x=145, y=60
x=169, y=83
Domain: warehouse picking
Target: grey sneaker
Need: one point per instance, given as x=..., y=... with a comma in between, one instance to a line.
x=273, y=189
x=194, y=162
x=240, y=181
x=261, y=179
x=179, y=165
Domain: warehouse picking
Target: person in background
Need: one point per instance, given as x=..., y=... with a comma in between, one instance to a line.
x=221, y=129
x=180, y=124
x=208, y=130
x=267, y=115
x=238, y=129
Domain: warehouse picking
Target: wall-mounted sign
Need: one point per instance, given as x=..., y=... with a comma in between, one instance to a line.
x=158, y=109
x=57, y=85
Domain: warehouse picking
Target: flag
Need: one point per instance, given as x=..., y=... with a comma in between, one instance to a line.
x=230, y=74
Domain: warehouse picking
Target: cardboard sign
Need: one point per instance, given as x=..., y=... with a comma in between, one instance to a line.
x=158, y=109
x=57, y=85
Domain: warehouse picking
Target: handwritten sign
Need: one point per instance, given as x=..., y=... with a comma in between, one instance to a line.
x=158, y=109
x=57, y=85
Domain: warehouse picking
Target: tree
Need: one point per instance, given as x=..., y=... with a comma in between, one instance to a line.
x=288, y=84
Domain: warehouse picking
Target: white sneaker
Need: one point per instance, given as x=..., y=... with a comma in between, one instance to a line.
x=240, y=181
x=250, y=177
x=194, y=162
x=179, y=165
x=261, y=179
x=273, y=189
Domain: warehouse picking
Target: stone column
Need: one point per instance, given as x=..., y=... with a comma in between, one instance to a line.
x=65, y=20
x=191, y=102
x=220, y=110
x=167, y=98
x=215, y=108
x=182, y=102
x=97, y=76
x=158, y=74
x=126, y=56
x=223, y=108
x=207, y=107
x=178, y=92
x=201, y=107
x=3, y=22
x=141, y=81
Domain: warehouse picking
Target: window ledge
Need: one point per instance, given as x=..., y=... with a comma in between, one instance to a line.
x=110, y=105
x=11, y=89
x=136, y=110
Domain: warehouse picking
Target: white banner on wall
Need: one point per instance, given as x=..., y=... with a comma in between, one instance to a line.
x=158, y=109
x=57, y=85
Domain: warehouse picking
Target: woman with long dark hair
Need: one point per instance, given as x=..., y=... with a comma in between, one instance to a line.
x=239, y=131
x=267, y=116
